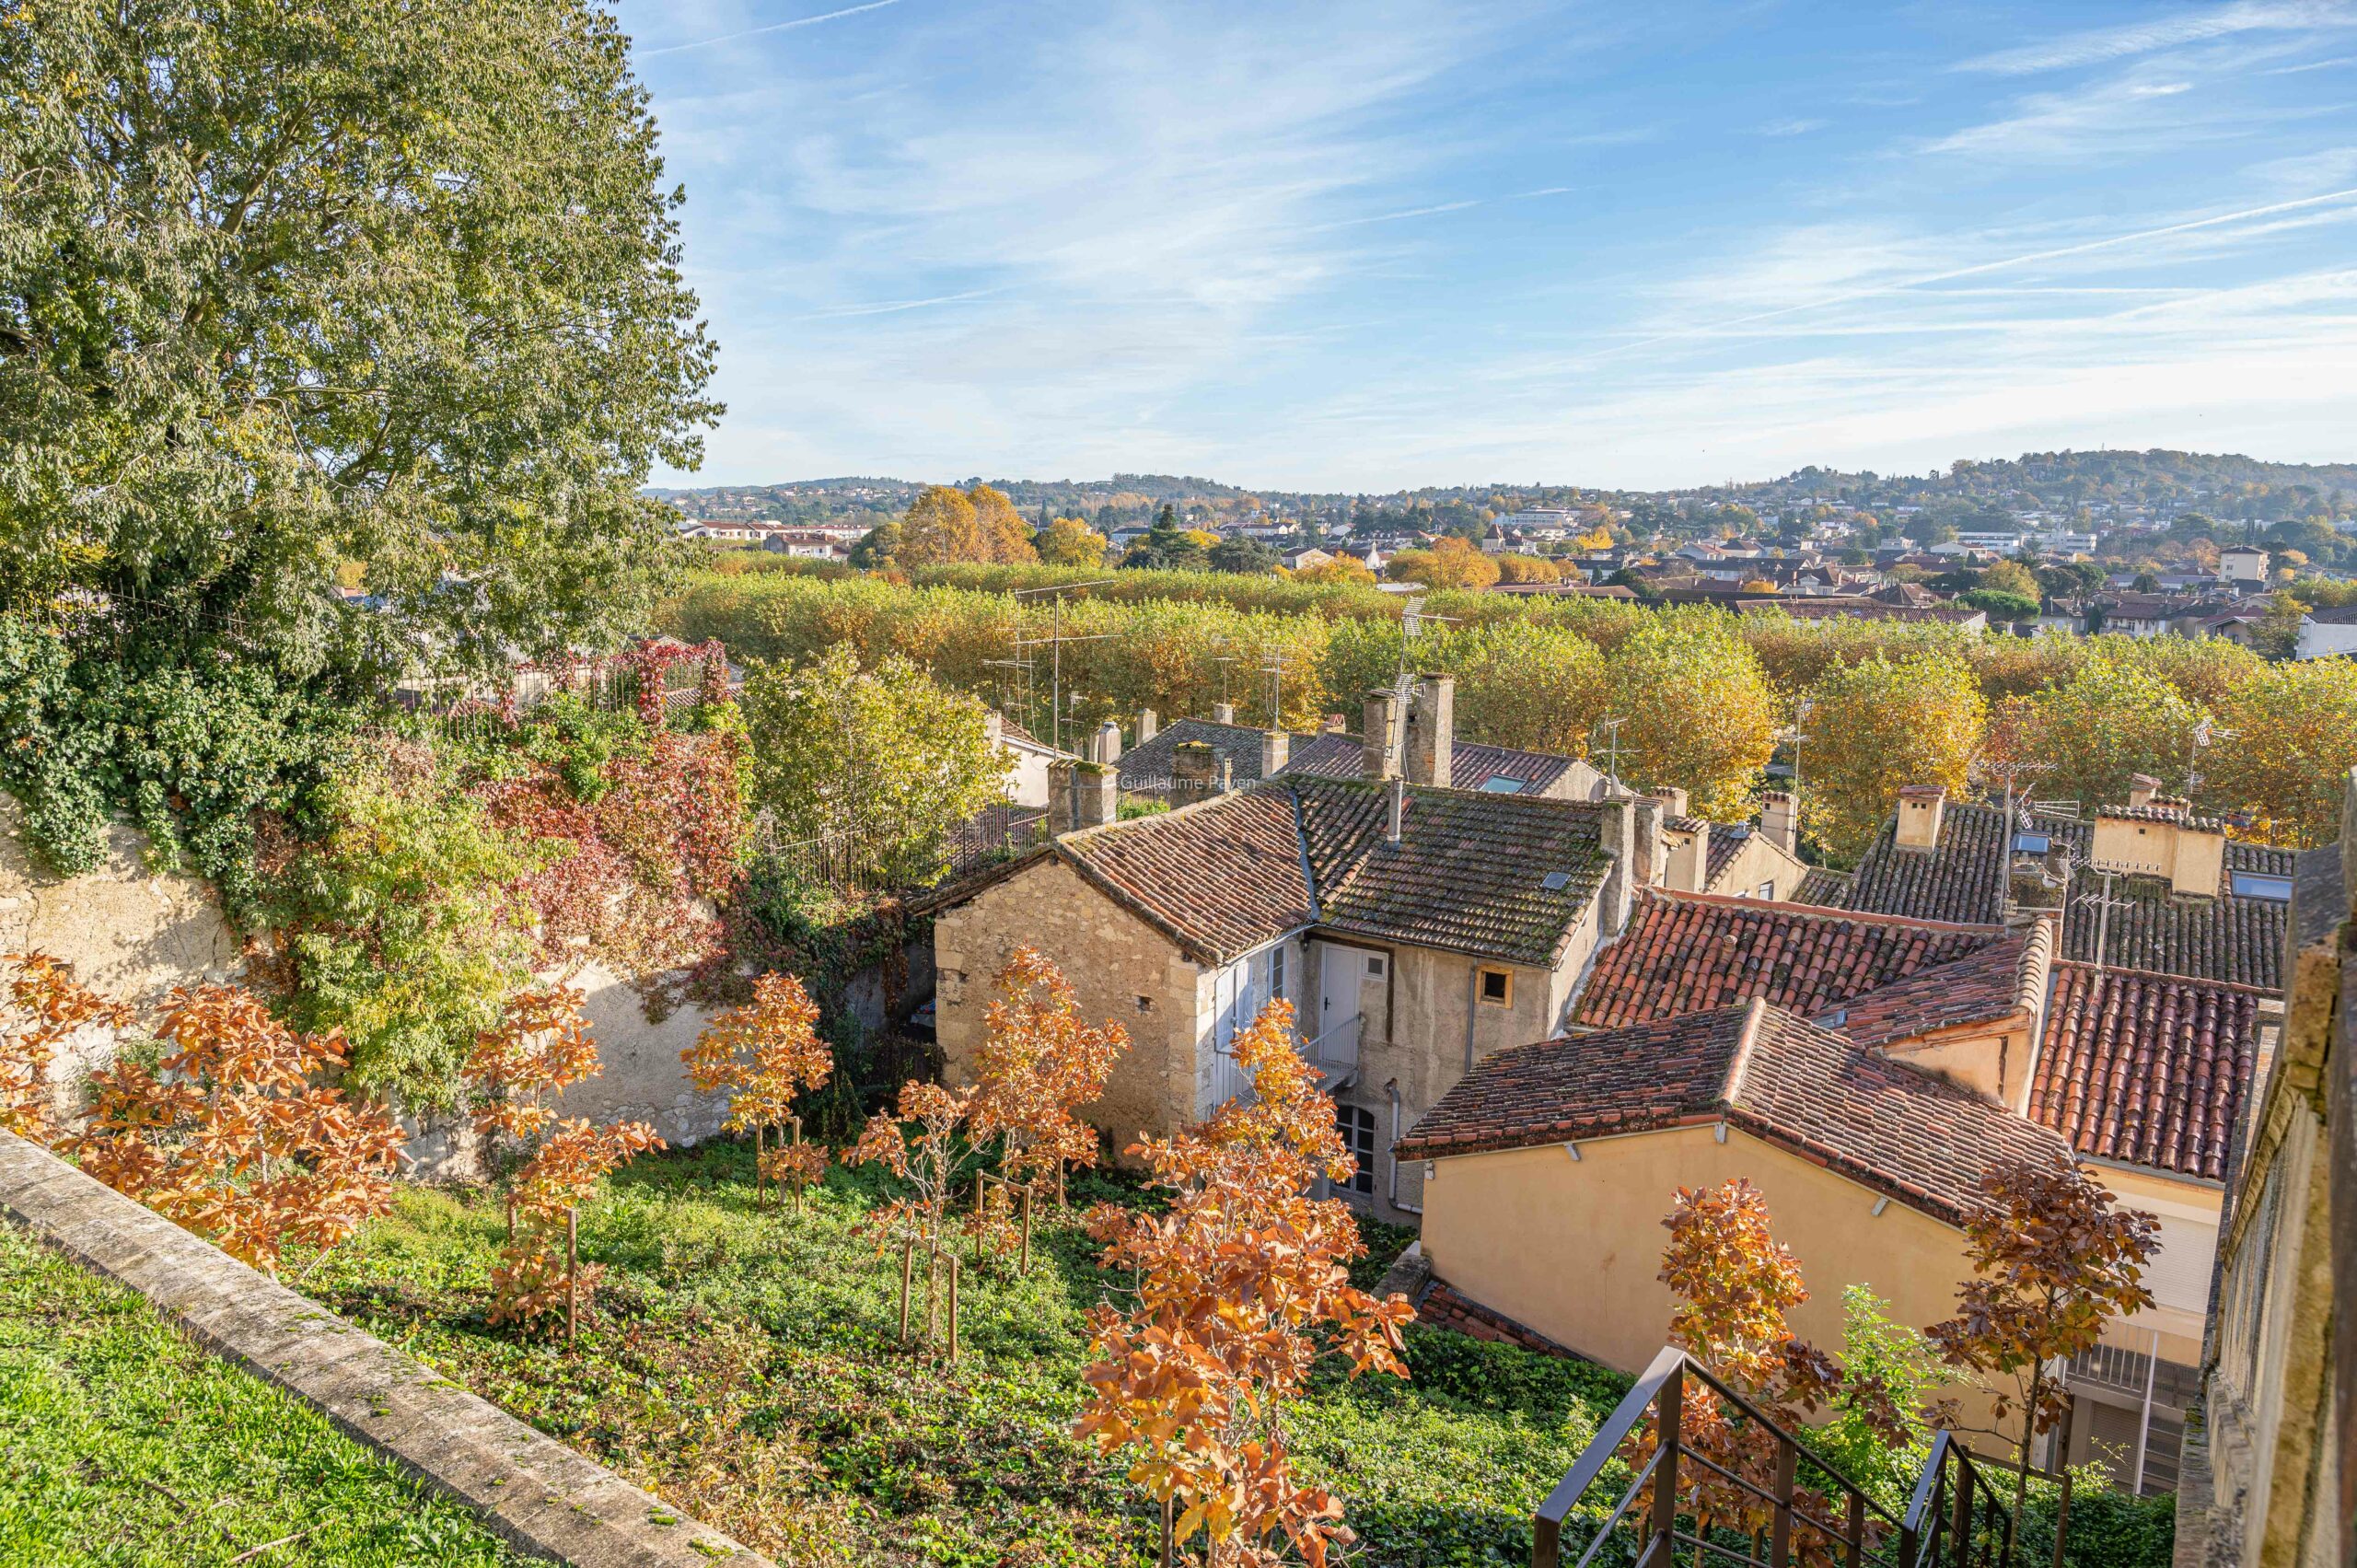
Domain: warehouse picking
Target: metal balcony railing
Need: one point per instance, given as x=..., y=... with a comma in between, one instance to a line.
x=1338, y=1047
x=1956, y=1518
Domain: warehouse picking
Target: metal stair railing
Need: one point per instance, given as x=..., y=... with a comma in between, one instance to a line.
x=1948, y=1518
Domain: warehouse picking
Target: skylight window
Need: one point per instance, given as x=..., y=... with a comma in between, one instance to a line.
x=1501, y=787
x=1556, y=881
x=2033, y=843
x=2257, y=884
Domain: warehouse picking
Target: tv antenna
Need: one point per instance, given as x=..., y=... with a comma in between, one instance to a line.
x=1054, y=642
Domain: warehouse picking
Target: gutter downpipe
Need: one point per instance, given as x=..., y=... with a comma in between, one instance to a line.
x=1392, y=1193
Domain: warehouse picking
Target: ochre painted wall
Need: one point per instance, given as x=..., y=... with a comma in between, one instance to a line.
x=1572, y=1248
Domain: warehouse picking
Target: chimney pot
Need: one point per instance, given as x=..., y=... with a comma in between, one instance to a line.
x=1780, y=822
x=2141, y=788
x=1276, y=749
x=1222, y=713
x=1921, y=809
x=1148, y=726
x=1673, y=800
x=1109, y=742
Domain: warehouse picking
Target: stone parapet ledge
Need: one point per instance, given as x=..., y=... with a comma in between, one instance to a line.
x=531, y=1490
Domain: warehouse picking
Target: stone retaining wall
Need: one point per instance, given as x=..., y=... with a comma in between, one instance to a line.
x=529, y=1490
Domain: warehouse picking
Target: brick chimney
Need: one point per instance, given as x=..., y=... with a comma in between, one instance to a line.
x=1109, y=742
x=1921, y=809
x=1148, y=726
x=1673, y=800
x=1095, y=793
x=2161, y=838
x=2141, y=788
x=1276, y=747
x=1334, y=723
x=1062, y=815
x=1382, y=756
x=1193, y=768
x=1222, y=713
x=1780, y=822
x=1432, y=730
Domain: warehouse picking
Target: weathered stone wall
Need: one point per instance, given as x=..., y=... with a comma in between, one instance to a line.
x=529, y=1490
x=1122, y=971
x=128, y=931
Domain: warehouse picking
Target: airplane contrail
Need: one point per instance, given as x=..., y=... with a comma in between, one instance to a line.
x=773, y=27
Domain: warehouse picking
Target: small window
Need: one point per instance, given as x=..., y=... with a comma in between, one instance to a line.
x=1501, y=787
x=1375, y=969
x=1556, y=881
x=1358, y=1133
x=2033, y=843
x=1768, y=891
x=1497, y=987
x=2256, y=885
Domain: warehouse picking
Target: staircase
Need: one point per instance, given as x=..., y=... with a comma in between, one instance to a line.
x=1955, y=1517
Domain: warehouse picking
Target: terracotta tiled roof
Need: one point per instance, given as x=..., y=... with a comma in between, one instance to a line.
x=2144, y=1068
x=1146, y=766
x=1222, y=878
x=1470, y=873
x=1824, y=887
x=1691, y=952
x=1470, y=766
x=2239, y=941
x=1727, y=840
x=1814, y=1091
x=2005, y=979
x=1962, y=877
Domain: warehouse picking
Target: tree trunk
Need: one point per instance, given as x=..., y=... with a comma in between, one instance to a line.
x=2021, y=1474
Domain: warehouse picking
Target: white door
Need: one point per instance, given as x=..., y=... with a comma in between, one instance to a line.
x=1228, y=1078
x=1335, y=1035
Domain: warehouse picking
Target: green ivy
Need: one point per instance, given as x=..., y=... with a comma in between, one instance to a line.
x=192, y=753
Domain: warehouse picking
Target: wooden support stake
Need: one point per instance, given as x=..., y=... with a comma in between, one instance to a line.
x=907, y=1269
x=1165, y=1533
x=756, y=1165
x=799, y=1183
x=953, y=1309
x=1025, y=1265
x=932, y=1296
x=572, y=1270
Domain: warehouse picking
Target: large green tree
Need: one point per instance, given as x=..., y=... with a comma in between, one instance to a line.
x=1695, y=710
x=1875, y=725
x=383, y=288
x=877, y=766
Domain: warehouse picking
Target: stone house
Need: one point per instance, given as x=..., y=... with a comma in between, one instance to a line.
x=1414, y=929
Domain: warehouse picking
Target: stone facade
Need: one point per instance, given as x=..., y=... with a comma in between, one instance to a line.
x=1124, y=970
x=1423, y=1019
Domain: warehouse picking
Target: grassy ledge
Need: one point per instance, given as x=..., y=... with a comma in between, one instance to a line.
x=124, y=1444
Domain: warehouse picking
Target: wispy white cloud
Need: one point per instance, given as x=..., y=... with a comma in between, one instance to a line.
x=771, y=28
x=2128, y=114
x=2098, y=45
x=1793, y=127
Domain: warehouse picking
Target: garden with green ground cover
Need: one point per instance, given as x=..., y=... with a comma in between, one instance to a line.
x=122, y=1445
x=743, y=1364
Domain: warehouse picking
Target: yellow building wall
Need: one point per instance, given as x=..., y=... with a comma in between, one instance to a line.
x=1573, y=1249
x=2188, y=1214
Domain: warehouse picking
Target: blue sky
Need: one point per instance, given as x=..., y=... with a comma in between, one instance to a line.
x=1389, y=243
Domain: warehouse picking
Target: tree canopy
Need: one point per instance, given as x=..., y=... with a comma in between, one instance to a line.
x=378, y=288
